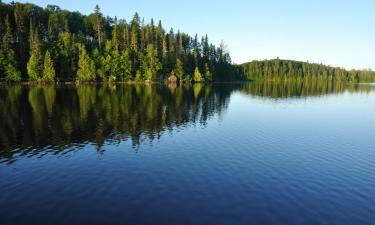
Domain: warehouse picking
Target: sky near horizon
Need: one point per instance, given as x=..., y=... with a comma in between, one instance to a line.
x=337, y=33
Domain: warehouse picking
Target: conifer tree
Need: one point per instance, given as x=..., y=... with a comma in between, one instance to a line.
x=151, y=63
x=86, y=66
x=208, y=74
x=197, y=75
x=115, y=35
x=179, y=70
x=48, y=70
x=98, y=25
x=35, y=63
x=8, y=65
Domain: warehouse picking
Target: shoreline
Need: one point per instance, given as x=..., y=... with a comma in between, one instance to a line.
x=72, y=83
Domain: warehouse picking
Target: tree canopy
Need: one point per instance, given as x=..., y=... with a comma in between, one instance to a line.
x=95, y=47
x=286, y=69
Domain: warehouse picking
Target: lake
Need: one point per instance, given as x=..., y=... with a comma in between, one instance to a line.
x=253, y=153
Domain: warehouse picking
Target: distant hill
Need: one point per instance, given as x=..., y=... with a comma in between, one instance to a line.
x=279, y=68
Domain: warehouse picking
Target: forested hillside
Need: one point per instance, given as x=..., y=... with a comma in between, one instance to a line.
x=282, y=69
x=51, y=44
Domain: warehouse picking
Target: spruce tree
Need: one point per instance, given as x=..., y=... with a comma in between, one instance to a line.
x=197, y=76
x=35, y=63
x=98, y=25
x=116, y=35
x=151, y=63
x=86, y=66
x=48, y=70
x=179, y=70
x=8, y=65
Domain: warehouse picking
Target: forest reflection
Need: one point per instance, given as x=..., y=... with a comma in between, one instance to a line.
x=34, y=119
x=300, y=88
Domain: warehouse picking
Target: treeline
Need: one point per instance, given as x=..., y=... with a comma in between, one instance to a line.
x=51, y=44
x=284, y=69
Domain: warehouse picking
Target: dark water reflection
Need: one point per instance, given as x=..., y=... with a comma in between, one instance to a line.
x=55, y=117
x=35, y=117
x=289, y=152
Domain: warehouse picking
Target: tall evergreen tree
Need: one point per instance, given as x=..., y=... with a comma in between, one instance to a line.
x=48, y=68
x=116, y=35
x=151, y=64
x=179, y=70
x=35, y=63
x=98, y=25
x=197, y=75
x=86, y=66
x=8, y=65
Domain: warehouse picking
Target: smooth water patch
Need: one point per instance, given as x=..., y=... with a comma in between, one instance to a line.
x=260, y=153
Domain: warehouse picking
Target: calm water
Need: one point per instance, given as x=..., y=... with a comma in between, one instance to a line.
x=260, y=153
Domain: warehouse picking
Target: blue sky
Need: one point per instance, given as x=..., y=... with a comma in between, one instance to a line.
x=338, y=33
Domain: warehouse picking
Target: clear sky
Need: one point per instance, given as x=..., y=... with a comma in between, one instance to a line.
x=333, y=32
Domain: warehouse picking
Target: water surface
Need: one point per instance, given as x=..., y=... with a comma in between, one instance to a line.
x=259, y=153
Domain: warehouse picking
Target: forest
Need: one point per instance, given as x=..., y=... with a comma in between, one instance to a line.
x=278, y=69
x=50, y=44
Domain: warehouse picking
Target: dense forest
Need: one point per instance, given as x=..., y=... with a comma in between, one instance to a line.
x=278, y=69
x=51, y=44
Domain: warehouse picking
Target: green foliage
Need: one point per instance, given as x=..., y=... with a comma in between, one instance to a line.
x=114, y=49
x=12, y=73
x=197, y=76
x=8, y=69
x=48, y=71
x=285, y=69
x=188, y=79
x=151, y=64
x=179, y=70
x=138, y=76
x=66, y=61
x=35, y=63
x=208, y=74
x=34, y=68
x=86, y=66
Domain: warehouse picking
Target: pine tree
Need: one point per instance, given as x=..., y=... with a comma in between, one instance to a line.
x=151, y=63
x=8, y=65
x=197, y=76
x=125, y=32
x=171, y=43
x=134, y=32
x=115, y=35
x=125, y=66
x=48, y=71
x=98, y=25
x=86, y=66
x=35, y=63
x=66, y=63
x=179, y=70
